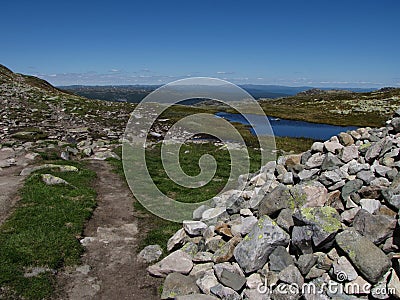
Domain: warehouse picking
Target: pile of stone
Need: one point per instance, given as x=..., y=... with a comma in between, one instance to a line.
x=319, y=225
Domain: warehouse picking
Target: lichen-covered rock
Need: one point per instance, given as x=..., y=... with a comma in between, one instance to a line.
x=324, y=222
x=49, y=179
x=150, y=253
x=225, y=253
x=364, y=255
x=253, y=252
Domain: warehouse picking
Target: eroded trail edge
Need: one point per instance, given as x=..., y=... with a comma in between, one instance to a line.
x=109, y=269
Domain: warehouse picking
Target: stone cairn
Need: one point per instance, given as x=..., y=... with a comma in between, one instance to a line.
x=319, y=225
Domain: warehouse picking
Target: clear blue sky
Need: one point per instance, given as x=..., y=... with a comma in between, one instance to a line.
x=318, y=43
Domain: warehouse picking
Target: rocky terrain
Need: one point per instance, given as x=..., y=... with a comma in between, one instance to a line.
x=325, y=219
x=32, y=109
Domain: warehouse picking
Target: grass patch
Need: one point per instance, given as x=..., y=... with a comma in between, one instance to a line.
x=295, y=145
x=43, y=231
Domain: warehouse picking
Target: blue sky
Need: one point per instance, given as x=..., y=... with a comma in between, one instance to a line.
x=314, y=43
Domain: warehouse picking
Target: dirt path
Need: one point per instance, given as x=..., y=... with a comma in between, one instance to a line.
x=10, y=181
x=109, y=267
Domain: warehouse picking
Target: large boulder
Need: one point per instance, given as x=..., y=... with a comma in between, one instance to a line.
x=252, y=253
x=364, y=255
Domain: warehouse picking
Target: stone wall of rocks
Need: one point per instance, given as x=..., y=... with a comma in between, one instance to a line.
x=326, y=218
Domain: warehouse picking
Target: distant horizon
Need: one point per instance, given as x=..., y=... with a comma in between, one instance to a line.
x=239, y=84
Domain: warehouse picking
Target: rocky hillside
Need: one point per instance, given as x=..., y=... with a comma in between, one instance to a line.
x=337, y=107
x=326, y=219
x=31, y=109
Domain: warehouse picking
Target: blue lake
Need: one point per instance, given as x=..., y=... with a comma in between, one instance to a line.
x=283, y=127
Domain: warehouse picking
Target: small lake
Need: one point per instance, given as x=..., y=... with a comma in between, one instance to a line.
x=283, y=127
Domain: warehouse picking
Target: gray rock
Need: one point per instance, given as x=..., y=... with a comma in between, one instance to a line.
x=285, y=219
x=315, y=160
x=177, y=284
x=364, y=255
x=233, y=280
x=49, y=179
x=374, y=150
x=370, y=205
x=177, y=240
x=366, y=176
x=343, y=270
x=379, y=183
x=381, y=170
x=331, y=162
x=225, y=293
x=376, y=228
x=60, y=168
x=324, y=222
x=202, y=257
x=64, y=155
x=234, y=204
x=333, y=146
x=253, y=252
x=279, y=259
x=305, y=156
x=207, y=281
x=351, y=187
x=302, y=238
x=212, y=215
x=194, y=228
x=394, y=284
x=306, y=262
x=275, y=201
x=315, y=194
x=348, y=153
x=253, y=281
x=190, y=248
x=288, y=178
x=392, y=197
x=349, y=214
x=150, y=253
x=307, y=174
x=246, y=225
x=291, y=275
x=177, y=261
x=199, y=270
x=225, y=253
x=198, y=212
x=317, y=147
x=354, y=167
x=396, y=124
x=331, y=177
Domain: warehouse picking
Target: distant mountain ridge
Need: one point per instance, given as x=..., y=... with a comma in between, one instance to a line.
x=135, y=93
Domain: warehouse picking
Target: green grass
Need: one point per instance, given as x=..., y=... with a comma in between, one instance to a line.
x=158, y=230
x=43, y=231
